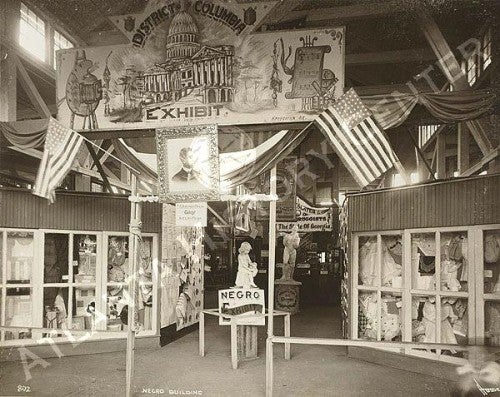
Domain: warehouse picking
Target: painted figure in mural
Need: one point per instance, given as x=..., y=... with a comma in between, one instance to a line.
x=188, y=171
x=291, y=242
x=247, y=269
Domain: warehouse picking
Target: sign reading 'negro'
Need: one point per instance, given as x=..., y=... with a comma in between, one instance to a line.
x=244, y=303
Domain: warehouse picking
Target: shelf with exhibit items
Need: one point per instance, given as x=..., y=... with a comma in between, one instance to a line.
x=65, y=280
x=66, y=272
x=433, y=284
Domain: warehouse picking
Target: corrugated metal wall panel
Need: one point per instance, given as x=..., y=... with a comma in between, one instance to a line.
x=21, y=209
x=452, y=203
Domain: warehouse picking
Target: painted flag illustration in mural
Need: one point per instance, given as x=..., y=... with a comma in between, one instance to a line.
x=61, y=147
x=358, y=140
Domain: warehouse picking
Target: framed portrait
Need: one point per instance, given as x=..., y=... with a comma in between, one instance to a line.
x=188, y=163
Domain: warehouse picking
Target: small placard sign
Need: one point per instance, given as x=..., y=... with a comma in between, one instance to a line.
x=191, y=214
x=244, y=303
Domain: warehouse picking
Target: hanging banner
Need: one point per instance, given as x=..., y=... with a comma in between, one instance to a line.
x=198, y=62
x=244, y=303
x=191, y=214
x=309, y=219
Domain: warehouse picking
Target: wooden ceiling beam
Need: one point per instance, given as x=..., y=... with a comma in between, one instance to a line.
x=31, y=90
x=492, y=155
x=397, y=56
x=453, y=72
x=386, y=89
x=355, y=11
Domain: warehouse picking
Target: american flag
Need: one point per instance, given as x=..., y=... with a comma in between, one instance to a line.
x=358, y=140
x=61, y=147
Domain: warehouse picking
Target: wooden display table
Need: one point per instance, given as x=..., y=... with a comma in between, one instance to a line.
x=246, y=344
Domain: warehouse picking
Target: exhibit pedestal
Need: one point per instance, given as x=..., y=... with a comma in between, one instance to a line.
x=247, y=341
x=287, y=295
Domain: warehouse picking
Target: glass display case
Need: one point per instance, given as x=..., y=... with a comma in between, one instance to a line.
x=379, y=273
x=488, y=286
x=427, y=285
x=63, y=280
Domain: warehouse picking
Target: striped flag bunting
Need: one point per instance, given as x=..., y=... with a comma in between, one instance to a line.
x=61, y=147
x=360, y=143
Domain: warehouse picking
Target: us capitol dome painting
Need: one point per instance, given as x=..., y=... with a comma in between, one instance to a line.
x=190, y=68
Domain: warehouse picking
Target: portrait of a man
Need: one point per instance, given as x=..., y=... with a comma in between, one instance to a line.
x=188, y=163
x=189, y=171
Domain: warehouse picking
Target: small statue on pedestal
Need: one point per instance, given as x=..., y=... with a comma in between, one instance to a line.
x=247, y=269
x=291, y=242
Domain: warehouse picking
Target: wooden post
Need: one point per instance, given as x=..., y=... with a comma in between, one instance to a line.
x=286, y=321
x=234, y=344
x=135, y=218
x=423, y=160
x=269, y=367
x=463, y=149
x=270, y=284
x=441, y=156
x=202, y=334
x=247, y=341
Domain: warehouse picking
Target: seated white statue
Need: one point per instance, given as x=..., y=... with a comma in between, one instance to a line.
x=247, y=269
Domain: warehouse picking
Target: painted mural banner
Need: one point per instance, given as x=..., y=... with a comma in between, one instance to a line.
x=244, y=303
x=198, y=62
x=309, y=219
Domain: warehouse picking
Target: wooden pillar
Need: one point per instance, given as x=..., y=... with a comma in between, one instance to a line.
x=134, y=252
x=247, y=341
x=9, y=32
x=463, y=149
x=49, y=44
x=441, y=156
x=125, y=174
x=270, y=285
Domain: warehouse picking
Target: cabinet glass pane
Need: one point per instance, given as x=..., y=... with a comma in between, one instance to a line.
x=55, y=264
x=368, y=264
x=492, y=323
x=423, y=261
x=391, y=317
x=83, y=308
x=454, y=261
x=117, y=258
x=20, y=252
x=18, y=312
x=116, y=299
x=367, y=316
x=55, y=307
x=454, y=323
x=423, y=316
x=146, y=260
x=392, y=261
x=491, y=250
x=84, y=258
x=146, y=307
